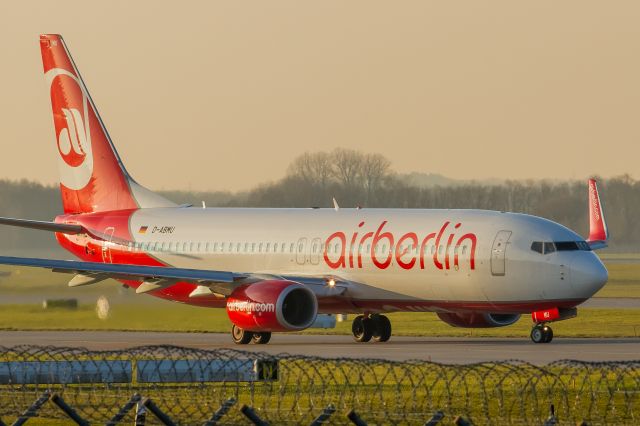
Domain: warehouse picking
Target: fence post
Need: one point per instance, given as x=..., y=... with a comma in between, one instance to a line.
x=355, y=418
x=70, y=412
x=435, y=419
x=252, y=416
x=552, y=419
x=220, y=412
x=324, y=416
x=33, y=410
x=141, y=414
x=461, y=421
x=164, y=419
x=124, y=410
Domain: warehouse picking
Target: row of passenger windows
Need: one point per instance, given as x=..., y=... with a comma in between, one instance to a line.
x=546, y=247
x=235, y=247
x=215, y=247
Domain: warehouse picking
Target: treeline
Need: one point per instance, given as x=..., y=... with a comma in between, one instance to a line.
x=367, y=180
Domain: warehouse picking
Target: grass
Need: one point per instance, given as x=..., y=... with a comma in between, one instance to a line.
x=180, y=318
x=145, y=313
x=624, y=281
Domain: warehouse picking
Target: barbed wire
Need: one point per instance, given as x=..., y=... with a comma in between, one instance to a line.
x=189, y=385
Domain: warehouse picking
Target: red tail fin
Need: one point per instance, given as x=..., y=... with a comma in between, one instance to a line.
x=92, y=177
x=598, y=231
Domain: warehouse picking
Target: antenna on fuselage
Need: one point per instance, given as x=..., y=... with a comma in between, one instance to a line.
x=336, y=207
x=204, y=205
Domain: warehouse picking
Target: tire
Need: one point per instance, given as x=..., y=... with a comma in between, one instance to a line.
x=548, y=334
x=261, y=338
x=538, y=335
x=240, y=336
x=381, y=328
x=362, y=329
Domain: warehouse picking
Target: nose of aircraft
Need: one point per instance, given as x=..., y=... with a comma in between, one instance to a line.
x=589, y=275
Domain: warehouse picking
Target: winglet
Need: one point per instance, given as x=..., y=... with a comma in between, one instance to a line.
x=598, y=232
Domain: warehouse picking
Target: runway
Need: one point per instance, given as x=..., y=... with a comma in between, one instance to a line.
x=443, y=350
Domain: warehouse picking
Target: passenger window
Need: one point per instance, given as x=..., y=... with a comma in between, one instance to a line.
x=215, y=247
x=549, y=248
x=537, y=246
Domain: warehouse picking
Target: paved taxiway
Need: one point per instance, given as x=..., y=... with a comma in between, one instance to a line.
x=445, y=350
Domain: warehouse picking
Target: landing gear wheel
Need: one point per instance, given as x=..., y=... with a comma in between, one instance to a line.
x=381, y=328
x=240, y=336
x=362, y=329
x=261, y=338
x=541, y=333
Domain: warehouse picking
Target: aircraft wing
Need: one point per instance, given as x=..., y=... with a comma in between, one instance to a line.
x=156, y=277
x=127, y=272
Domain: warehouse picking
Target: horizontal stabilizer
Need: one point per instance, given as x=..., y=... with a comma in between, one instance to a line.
x=43, y=226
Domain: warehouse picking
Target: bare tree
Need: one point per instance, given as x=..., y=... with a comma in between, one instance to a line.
x=348, y=166
x=374, y=169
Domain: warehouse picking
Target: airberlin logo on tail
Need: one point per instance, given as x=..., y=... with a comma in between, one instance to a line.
x=408, y=251
x=595, y=205
x=70, y=106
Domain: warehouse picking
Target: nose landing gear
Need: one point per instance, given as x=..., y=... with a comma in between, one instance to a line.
x=541, y=333
x=376, y=327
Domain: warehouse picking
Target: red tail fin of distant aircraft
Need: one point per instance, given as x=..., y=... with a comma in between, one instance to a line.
x=598, y=232
x=92, y=176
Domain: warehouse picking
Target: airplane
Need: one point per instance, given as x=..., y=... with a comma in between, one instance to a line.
x=277, y=269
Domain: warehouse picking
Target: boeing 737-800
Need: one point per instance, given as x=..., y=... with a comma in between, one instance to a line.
x=275, y=270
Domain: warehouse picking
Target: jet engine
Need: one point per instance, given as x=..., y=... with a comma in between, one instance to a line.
x=272, y=305
x=478, y=319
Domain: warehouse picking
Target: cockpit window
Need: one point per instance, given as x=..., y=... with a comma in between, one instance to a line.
x=566, y=245
x=572, y=245
x=546, y=247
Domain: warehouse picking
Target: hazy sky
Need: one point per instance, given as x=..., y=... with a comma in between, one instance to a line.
x=222, y=95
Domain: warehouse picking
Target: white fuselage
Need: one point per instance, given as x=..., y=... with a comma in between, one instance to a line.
x=480, y=256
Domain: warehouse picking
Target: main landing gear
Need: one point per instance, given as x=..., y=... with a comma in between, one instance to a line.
x=376, y=327
x=243, y=337
x=541, y=333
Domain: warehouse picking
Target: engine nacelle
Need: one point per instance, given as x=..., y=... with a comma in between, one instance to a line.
x=478, y=319
x=273, y=305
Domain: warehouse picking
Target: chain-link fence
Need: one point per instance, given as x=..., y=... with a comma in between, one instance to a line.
x=189, y=385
